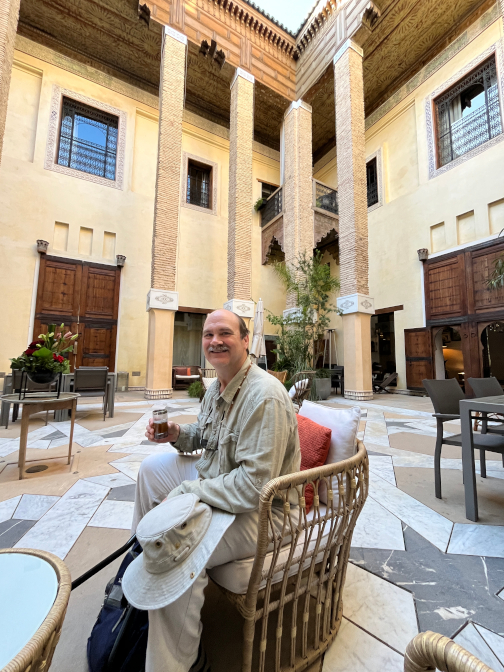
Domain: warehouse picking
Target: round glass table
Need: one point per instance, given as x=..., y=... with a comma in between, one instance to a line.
x=28, y=588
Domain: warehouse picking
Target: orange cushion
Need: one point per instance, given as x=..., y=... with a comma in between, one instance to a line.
x=315, y=441
x=188, y=370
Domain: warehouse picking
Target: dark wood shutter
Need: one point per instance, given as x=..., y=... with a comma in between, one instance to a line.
x=85, y=296
x=419, y=360
x=445, y=288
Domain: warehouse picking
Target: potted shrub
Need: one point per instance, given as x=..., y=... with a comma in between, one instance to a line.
x=47, y=357
x=323, y=383
x=259, y=204
x=196, y=390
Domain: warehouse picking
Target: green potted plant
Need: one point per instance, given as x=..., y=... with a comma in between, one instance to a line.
x=259, y=204
x=323, y=383
x=47, y=357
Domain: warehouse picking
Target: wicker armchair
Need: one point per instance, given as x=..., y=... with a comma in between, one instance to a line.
x=205, y=374
x=431, y=651
x=281, y=375
x=303, y=390
x=298, y=575
x=37, y=654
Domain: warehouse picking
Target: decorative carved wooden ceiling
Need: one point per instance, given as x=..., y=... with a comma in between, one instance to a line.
x=408, y=35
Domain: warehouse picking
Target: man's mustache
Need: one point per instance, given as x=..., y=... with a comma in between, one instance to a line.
x=221, y=348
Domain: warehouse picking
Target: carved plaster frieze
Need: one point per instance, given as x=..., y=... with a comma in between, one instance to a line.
x=162, y=299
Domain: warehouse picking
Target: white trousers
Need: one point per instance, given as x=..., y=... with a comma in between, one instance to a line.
x=175, y=630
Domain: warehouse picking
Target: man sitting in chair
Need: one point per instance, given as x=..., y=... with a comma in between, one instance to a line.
x=247, y=429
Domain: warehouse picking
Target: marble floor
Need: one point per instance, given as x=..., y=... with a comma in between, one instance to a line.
x=416, y=563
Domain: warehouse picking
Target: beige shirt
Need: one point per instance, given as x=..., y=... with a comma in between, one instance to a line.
x=245, y=446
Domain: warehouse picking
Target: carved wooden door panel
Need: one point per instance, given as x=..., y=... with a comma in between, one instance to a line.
x=99, y=302
x=419, y=360
x=85, y=297
x=445, y=288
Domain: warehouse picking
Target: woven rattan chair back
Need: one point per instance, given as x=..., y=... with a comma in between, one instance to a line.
x=431, y=651
x=302, y=382
x=301, y=589
x=486, y=387
x=281, y=375
x=37, y=654
x=445, y=395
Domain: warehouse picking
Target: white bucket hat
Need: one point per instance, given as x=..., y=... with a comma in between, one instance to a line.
x=178, y=537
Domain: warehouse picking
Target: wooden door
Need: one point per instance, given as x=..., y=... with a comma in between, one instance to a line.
x=99, y=302
x=419, y=359
x=85, y=297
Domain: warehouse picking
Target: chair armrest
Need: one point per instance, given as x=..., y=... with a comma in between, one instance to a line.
x=446, y=416
x=430, y=650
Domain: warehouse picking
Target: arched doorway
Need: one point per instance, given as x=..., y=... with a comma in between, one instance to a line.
x=492, y=341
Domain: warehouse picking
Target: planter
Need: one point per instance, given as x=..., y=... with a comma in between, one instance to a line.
x=43, y=377
x=323, y=387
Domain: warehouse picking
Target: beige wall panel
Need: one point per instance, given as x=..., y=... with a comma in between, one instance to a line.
x=496, y=216
x=54, y=197
x=438, y=237
x=401, y=155
x=60, y=240
x=143, y=179
x=466, y=228
x=22, y=113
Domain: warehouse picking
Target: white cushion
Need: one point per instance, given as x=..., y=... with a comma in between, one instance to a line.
x=235, y=576
x=344, y=425
x=301, y=385
x=187, y=377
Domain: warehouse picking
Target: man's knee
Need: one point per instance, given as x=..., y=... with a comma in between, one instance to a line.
x=154, y=465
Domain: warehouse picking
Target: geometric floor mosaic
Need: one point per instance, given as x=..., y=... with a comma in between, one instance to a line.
x=415, y=564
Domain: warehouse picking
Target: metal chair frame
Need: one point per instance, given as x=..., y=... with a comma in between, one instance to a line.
x=83, y=372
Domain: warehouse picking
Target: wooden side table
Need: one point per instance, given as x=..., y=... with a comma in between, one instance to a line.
x=35, y=404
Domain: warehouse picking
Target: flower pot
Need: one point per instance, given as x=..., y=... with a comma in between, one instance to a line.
x=43, y=377
x=323, y=387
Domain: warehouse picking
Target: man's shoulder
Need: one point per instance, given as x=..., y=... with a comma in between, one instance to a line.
x=263, y=385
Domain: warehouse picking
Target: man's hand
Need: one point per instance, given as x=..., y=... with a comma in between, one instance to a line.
x=173, y=432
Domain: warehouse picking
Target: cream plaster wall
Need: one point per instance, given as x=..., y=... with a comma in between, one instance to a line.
x=33, y=199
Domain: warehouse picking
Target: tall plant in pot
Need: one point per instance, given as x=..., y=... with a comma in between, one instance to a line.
x=47, y=357
x=308, y=280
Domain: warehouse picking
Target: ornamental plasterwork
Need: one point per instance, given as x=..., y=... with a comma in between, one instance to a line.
x=379, y=173
x=434, y=171
x=164, y=299
x=53, y=136
x=215, y=180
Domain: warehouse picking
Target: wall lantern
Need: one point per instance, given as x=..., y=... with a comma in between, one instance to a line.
x=423, y=254
x=120, y=260
x=42, y=246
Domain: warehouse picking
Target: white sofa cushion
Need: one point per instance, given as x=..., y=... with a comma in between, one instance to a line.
x=344, y=425
x=194, y=376
x=235, y=576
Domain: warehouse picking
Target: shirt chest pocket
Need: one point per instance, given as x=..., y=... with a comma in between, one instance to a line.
x=227, y=450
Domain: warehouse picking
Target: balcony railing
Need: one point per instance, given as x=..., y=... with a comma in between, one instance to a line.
x=273, y=207
x=325, y=198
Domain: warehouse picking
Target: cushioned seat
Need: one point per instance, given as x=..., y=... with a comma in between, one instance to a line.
x=235, y=576
x=187, y=377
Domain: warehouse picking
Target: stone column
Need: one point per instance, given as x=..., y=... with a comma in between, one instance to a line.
x=357, y=306
x=297, y=187
x=240, y=205
x=9, y=16
x=162, y=301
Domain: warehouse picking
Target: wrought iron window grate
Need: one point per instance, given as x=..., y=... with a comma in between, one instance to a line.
x=372, y=182
x=468, y=114
x=326, y=198
x=272, y=208
x=198, y=185
x=88, y=139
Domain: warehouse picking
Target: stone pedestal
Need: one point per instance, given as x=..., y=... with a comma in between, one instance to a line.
x=353, y=224
x=161, y=301
x=9, y=16
x=240, y=211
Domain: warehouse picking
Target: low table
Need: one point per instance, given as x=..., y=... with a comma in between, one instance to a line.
x=36, y=403
x=34, y=592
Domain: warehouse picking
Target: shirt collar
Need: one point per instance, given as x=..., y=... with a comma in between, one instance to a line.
x=235, y=382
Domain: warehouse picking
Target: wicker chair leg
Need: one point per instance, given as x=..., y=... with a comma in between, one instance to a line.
x=437, y=458
x=248, y=644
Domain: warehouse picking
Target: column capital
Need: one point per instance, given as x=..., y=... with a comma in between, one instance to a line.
x=240, y=307
x=171, y=32
x=295, y=105
x=356, y=303
x=162, y=299
x=240, y=72
x=347, y=44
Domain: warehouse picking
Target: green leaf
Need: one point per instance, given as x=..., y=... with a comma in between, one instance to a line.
x=43, y=353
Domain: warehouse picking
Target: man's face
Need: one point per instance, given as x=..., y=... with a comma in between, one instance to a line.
x=222, y=343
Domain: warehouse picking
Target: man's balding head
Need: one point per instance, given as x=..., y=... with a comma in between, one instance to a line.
x=225, y=340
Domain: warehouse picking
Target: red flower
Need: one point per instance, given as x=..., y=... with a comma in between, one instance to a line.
x=33, y=347
x=58, y=358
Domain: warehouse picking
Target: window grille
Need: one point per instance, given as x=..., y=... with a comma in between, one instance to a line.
x=468, y=114
x=198, y=185
x=326, y=198
x=88, y=139
x=267, y=189
x=372, y=182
